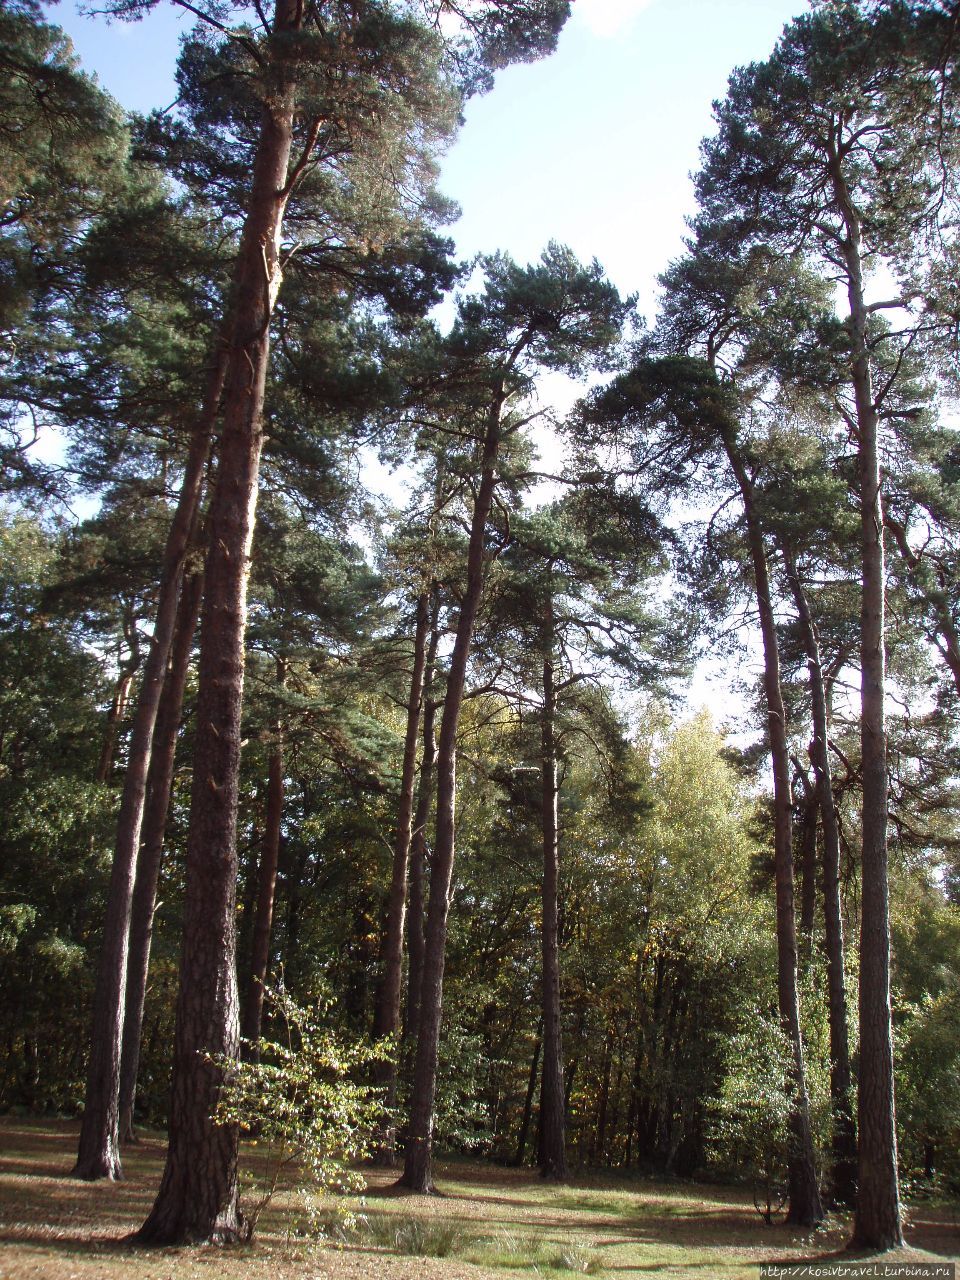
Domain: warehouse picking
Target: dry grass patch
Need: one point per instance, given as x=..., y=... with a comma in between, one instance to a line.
x=487, y=1223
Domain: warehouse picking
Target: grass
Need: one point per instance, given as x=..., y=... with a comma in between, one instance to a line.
x=489, y=1223
x=413, y=1236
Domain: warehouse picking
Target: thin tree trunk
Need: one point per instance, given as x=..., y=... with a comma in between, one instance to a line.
x=844, y=1140
x=198, y=1196
x=805, y=1208
x=266, y=883
x=160, y=783
x=600, y=1134
x=98, y=1155
x=633, y=1106
x=947, y=639
x=553, y=1162
x=121, y=697
x=808, y=869
x=295, y=894
x=118, y=707
x=386, y=1019
x=417, y=1172
x=418, y=843
x=418, y=855
x=877, y=1214
x=528, y=1097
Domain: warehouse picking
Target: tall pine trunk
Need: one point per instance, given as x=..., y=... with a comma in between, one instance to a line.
x=266, y=883
x=386, y=1020
x=198, y=1196
x=418, y=842
x=553, y=1157
x=805, y=1208
x=98, y=1155
x=844, y=1139
x=807, y=858
x=418, y=1162
x=160, y=783
x=877, y=1214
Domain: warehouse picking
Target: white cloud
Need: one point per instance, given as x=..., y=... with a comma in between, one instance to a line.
x=606, y=18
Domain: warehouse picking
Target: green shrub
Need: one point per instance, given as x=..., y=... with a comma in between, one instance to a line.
x=301, y=1105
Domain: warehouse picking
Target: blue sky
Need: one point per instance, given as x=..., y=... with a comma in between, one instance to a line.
x=592, y=147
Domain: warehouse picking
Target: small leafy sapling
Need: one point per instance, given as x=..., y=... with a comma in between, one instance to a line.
x=751, y=1114
x=300, y=1099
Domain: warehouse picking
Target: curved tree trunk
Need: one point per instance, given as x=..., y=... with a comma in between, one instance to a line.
x=417, y=1170
x=553, y=1157
x=266, y=884
x=160, y=782
x=877, y=1215
x=805, y=1207
x=844, y=1141
x=198, y=1196
x=98, y=1155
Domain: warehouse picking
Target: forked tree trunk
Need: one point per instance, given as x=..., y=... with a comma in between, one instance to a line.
x=844, y=1137
x=553, y=1157
x=418, y=1170
x=266, y=884
x=98, y=1155
x=198, y=1196
x=160, y=783
x=386, y=1019
x=877, y=1214
x=805, y=1208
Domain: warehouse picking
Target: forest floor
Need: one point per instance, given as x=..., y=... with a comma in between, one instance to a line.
x=488, y=1222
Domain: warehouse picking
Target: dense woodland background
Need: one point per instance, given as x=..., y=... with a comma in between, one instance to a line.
x=651, y=958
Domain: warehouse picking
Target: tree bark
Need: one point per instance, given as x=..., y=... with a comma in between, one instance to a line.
x=844, y=1137
x=805, y=1208
x=160, y=783
x=198, y=1196
x=98, y=1155
x=553, y=1158
x=417, y=1171
x=807, y=834
x=266, y=884
x=877, y=1212
x=418, y=856
x=386, y=1020
x=528, y=1098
